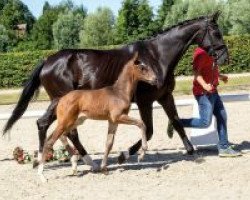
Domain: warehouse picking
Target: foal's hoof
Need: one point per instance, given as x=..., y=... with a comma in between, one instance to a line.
x=141, y=156
x=35, y=164
x=105, y=171
x=74, y=172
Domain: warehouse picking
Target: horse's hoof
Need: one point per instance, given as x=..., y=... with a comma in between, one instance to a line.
x=35, y=164
x=123, y=157
x=190, y=151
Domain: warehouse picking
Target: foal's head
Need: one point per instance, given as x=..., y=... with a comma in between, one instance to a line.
x=142, y=72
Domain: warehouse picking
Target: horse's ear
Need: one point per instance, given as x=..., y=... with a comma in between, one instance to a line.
x=215, y=16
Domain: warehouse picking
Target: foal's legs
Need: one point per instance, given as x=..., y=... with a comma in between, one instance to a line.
x=125, y=119
x=49, y=145
x=43, y=124
x=167, y=102
x=73, y=136
x=147, y=117
x=109, y=144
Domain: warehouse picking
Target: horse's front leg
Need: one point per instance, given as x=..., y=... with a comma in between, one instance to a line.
x=147, y=118
x=109, y=144
x=167, y=102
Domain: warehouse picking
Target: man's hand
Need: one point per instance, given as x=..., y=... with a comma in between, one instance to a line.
x=224, y=78
x=208, y=87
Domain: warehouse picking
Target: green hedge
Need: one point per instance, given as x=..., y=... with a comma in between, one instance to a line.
x=16, y=67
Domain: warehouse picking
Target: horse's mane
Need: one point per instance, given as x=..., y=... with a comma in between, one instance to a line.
x=182, y=23
x=163, y=31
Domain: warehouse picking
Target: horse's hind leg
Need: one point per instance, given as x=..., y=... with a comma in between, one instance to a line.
x=167, y=102
x=109, y=144
x=73, y=136
x=43, y=124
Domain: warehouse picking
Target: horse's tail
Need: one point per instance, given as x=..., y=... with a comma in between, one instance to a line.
x=31, y=86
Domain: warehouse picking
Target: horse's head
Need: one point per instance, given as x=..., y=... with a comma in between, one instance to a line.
x=142, y=72
x=210, y=39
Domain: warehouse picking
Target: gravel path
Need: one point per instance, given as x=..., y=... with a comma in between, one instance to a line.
x=166, y=173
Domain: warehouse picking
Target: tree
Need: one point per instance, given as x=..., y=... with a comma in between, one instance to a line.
x=98, y=28
x=2, y=4
x=163, y=11
x=240, y=17
x=177, y=13
x=46, y=7
x=207, y=7
x=66, y=30
x=189, y=9
x=134, y=21
x=145, y=20
x=3, y=39
x=14, y=13
x=42, y=33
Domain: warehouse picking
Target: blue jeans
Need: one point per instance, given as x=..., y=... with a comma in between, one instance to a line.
x=209, y=105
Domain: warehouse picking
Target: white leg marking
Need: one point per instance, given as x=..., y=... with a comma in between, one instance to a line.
x=74, y=160
x=39, y=157
x=40, y=173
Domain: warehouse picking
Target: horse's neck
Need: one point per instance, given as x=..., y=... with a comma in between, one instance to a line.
x=173, y=44
x=126, y=84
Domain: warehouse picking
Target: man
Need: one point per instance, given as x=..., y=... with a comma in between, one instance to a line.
x=206, y=80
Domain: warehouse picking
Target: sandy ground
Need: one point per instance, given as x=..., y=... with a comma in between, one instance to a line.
x=166, y=172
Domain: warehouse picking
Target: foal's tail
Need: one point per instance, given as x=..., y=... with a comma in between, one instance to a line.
x=31, y=86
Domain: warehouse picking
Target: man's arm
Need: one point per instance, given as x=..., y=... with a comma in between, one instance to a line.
x=206, y=86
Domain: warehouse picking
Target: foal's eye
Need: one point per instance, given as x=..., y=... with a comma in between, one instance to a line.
x=137, y=62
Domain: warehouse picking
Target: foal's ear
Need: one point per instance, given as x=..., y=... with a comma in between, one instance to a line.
x=135, y=57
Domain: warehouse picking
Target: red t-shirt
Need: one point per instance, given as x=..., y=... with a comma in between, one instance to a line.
x=203, y=63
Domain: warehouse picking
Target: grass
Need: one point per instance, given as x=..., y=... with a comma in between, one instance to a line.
x=182, y=87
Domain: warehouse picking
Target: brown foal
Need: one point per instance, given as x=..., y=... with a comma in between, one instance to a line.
x=110, y=103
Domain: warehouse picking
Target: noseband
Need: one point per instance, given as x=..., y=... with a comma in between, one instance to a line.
x=212, y=48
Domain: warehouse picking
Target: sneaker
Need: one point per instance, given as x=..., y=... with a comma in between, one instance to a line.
x=170, y=129
x=229, y=152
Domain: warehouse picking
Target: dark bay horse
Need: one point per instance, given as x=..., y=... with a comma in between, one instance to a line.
x=111, y=103
x=68, y=70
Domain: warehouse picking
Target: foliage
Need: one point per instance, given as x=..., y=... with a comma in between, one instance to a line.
x=163, y=11
x=177, y=13
x=98, y=28
x=3, y=39
x=14, y=13
x=240, y=17
x=42, y=33
x=66, y=30
x=134, y=21
x=16, y=67
x=183, y=10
